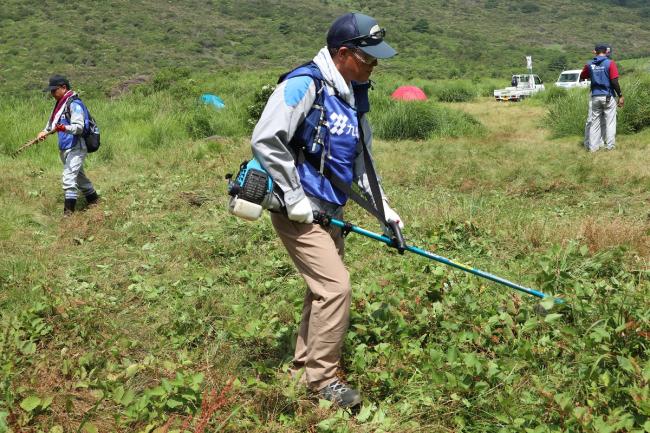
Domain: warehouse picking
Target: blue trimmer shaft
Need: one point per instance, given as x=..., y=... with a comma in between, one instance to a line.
x=446, y=261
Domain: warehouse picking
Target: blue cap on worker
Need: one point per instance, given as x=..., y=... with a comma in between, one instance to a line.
x=359, y=31
x=57, y=81
x=604, y=49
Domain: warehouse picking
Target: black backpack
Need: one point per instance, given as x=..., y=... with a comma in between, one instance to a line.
x=90, y=133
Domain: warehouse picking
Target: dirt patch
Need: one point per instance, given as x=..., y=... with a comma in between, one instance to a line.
x=603, y=234
x=468, y=185
x=125, y=86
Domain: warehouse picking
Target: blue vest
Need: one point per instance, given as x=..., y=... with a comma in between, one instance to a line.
x=336, y=148
x=599, y=71
x=68, y=141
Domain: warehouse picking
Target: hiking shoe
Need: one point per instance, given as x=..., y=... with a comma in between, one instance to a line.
x=92, y=199
x=68, y=206
x=340, y=393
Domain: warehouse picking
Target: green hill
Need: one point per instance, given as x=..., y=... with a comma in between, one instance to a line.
x=99, y=44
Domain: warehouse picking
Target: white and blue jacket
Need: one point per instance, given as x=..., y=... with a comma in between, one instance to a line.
x=74, y=115
x=282, y=119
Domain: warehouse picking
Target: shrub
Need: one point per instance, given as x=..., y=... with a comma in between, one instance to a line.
x=407, y=120
x=558, y=63
x=157, y=137
x=417, y=120
x=160, y=131
x=567, y=112
x=529, y=8
x=452, y=90
x=456, y=93
x=421, y=26
x=107, y=153
x=165, y=78
x=199, y=123
x=551, y=94
x=176, y=81
x=486, y=87
x=259, y=102
x=635, y=116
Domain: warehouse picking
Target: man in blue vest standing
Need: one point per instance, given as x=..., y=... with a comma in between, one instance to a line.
x=335, y=83
x=603, y=73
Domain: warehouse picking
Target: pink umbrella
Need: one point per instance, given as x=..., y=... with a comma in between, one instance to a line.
x=409, y=93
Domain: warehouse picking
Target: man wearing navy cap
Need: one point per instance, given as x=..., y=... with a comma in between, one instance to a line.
x=69, y=117
x=301, y=160
x=603, y=73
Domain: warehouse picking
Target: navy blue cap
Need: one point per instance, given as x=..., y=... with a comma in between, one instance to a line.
x=603, y=48
x=56, y=81
x=361, y=31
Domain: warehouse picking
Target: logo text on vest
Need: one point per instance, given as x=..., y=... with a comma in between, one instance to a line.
x=339, y=125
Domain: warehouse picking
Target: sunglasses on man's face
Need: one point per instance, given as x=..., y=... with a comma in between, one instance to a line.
x=363, y=57
x=370, y=39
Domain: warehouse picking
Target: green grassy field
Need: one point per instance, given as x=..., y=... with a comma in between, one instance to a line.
x=158, y=311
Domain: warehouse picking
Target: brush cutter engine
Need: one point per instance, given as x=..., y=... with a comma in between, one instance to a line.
x=251, y=191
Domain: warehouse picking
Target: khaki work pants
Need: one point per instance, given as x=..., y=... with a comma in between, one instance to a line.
x=318, y=254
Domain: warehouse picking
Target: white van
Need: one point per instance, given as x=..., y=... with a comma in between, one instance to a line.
x=571, y=79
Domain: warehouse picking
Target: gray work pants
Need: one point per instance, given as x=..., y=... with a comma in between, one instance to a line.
x=73, y=177
x=603, y=115
x=601, y=141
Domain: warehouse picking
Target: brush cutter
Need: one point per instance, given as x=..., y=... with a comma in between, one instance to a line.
x=398, y=243
x=31, y=143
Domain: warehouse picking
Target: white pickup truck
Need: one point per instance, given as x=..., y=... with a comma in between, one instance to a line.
x=524, y=85
x=571, y=79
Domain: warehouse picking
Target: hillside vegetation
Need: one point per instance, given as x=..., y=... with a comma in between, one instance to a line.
x=99, y=44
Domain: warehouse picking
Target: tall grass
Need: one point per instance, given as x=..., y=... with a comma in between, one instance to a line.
x=452, y=90
x=419, y=120
x=487, y=86
x=635, y=116
x=152, y=116
x=567, y=110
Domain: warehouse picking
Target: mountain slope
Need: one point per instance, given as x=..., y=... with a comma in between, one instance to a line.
x=100, y=43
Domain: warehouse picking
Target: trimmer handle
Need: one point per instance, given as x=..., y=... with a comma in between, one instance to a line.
x=398, y=239
x=321, y=218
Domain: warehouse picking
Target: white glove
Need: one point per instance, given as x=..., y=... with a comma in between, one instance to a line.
x=391, y=215
x=301, y=211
